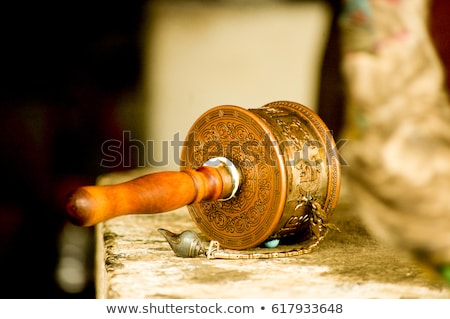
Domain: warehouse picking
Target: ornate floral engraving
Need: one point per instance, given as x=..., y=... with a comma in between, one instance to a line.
x=238, y=137
x=283, y=154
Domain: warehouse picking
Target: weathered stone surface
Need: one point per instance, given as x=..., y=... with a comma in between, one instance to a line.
x=135, y=261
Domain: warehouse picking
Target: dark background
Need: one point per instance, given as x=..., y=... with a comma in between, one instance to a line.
x=64, y=69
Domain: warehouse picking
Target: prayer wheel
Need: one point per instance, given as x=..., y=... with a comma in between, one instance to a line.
x=247, y=176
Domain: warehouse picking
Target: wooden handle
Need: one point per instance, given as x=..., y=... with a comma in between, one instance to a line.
x=149, y=194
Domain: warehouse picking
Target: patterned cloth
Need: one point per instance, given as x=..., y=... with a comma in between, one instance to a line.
x=398, y=126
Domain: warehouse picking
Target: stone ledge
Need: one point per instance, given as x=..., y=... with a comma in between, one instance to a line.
x=134, y=261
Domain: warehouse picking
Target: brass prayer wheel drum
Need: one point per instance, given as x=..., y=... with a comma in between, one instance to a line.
x=284, y=153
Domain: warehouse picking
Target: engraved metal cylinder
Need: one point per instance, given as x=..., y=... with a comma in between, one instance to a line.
x=285, y=154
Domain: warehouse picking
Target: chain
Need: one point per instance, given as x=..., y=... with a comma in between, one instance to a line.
x=318, y=228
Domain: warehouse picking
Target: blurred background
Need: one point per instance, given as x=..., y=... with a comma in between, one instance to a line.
x=76, y=74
